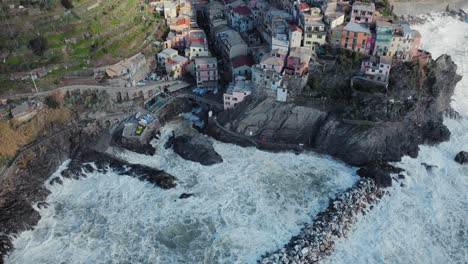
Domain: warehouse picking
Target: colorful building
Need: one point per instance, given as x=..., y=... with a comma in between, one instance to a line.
x=334, y=36
x=363, y=13
x=177, y=66
x=377, y=68
x=355, y=37
x=297, y=63
x=241, y=19
x=314, y=33
x=206, y=73
x=242, y=66
x=383, y=32
x=236, y=92
x=295, y=36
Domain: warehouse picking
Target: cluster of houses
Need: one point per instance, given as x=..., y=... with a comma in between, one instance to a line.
x=271, y=46
x=186, y=47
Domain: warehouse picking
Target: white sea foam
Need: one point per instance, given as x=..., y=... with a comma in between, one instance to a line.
x=427, y=220
x=251, y=203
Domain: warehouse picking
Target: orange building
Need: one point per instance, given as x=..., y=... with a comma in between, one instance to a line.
x=355, y=36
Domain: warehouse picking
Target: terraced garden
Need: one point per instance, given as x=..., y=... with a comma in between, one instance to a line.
x=92, y=34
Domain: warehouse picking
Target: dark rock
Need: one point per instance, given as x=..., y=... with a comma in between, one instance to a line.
x=104, y=162
x=401, y=176
x=185, y=195
x=55, y=180
x=41, y=205
x=197, y=148
x=462, y=157
x=170, y=141
x=428, y=166
x=379, y=172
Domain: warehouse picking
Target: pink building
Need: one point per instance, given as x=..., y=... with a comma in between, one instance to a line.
x=370, y=43
x=236, y=92
x=297, y=63
x=270, y=62
x=363, y=13
x=206, y=73
x=416, y=42
x=179, y=31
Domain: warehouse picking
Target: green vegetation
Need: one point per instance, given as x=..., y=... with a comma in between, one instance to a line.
x=349, y=58
x=88, y=35
x=52, y=102
x=386, y=9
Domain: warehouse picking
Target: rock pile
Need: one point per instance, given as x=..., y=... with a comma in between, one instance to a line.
x=315, y=241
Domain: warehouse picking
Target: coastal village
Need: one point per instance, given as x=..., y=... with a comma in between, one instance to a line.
x=230, y=50
x=272, y=47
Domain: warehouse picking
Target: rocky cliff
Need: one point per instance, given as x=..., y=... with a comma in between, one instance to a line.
x=368, y=122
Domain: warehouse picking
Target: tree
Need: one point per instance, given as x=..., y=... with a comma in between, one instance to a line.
x=38, y=45
x=67, y=4
x=52, y=102
x=447, y=9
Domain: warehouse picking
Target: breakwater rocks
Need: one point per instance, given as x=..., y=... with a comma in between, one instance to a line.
x=316, y=241
x=91, y=161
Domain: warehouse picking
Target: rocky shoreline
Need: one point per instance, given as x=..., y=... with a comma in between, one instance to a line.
x=316, y=240
x=23, y=186
x=93, y=161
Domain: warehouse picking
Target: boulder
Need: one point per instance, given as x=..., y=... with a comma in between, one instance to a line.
x=462, y=157
x=197, y=148
x=379, y=172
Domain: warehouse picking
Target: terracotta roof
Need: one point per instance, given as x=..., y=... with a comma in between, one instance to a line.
x=241, y=60
x=196, y=40
x=183, y=21
x=295, y=27
x=302, y=6
x=242, y=10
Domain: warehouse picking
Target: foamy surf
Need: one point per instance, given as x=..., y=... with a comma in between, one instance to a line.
x=426, y=221
x=251, y=203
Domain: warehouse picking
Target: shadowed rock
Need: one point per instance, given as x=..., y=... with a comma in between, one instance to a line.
x=462, y=157
x=197, y=148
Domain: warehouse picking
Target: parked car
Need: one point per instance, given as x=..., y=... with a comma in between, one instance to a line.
x=200, y=91
x=139, y=130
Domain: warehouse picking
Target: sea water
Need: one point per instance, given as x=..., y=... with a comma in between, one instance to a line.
x=426, y=221
x=251, y=203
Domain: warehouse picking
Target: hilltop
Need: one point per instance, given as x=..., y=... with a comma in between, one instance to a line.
x=47, y=38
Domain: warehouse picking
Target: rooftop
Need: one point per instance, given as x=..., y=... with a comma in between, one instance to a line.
x=295, y=27
x=242, y=10
x=168, y=51
x=302, y=6
x=177, y=60
x=271, y=60
x=240, y=86
x=205, y=60
x=383, y=24
x=20, y=109
x=232, y=37
x=370, y=7
x=357, y=27
x=242, y=60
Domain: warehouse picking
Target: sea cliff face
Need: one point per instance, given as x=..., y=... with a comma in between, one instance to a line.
x=367, y=125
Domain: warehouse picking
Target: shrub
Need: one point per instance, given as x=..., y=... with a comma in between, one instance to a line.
x=67, y=4
x=38, y=45
x=52, y=102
